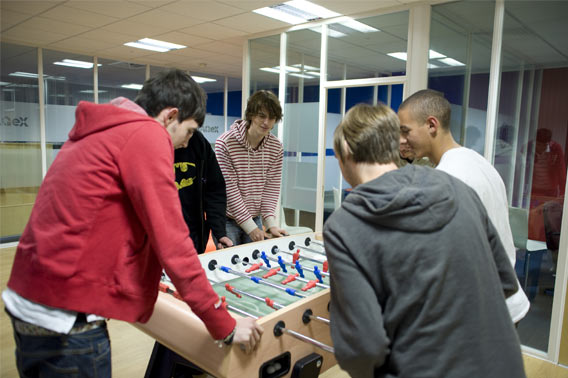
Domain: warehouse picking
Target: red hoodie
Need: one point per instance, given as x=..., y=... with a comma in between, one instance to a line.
x=107, y=218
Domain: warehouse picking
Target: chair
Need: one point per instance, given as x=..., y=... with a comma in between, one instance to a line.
x=292, y=230
x=534, y=250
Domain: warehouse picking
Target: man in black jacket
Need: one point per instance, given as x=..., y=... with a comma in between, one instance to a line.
x=202, y=192
x=203, y=197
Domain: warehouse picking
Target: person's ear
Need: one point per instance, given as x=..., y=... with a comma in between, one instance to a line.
x=347, y=153
x=172, y=115
x=433, y=125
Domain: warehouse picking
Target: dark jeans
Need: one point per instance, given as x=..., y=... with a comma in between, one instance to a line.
x=236, y=233
x=85, y=354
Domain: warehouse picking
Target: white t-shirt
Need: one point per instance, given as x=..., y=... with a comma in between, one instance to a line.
x=474, y=170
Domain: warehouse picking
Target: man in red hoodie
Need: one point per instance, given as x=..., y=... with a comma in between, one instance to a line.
x=106, y=221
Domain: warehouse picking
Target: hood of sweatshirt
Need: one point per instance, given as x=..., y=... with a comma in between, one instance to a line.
x=91, y=118
x=412, y=198
x=239, y=129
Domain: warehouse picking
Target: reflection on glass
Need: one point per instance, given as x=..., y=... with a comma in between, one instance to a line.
x=530, y=148
x=119, y=79
x=336, y=188
x=264, y=63
x=20, y=154
x=459, y=61
x=301, y=111
x=68, y=79
x=357, y=54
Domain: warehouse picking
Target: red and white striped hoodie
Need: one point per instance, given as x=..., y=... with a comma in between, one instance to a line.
x=253, y=176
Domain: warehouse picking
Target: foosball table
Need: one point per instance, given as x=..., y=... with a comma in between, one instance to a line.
x=282, y=282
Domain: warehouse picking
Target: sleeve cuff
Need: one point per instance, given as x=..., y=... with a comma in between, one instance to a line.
x=248, y=225
x=270, y=222
x=219, y=322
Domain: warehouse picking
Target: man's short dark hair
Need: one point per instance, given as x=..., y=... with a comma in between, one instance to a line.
x=426, y=103
x=263, y=100
x=173, y=88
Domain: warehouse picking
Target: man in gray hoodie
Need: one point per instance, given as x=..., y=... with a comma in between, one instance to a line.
x=418, y=273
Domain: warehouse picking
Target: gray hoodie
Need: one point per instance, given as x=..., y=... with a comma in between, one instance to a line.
x=418, y=281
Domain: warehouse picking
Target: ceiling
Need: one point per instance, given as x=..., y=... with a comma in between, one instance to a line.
x=213, y=31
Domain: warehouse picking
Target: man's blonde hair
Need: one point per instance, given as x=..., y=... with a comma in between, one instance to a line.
x=371, y=134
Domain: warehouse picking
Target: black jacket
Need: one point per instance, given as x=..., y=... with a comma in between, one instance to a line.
x=201, y=190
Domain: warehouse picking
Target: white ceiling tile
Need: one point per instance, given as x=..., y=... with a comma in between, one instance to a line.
x=108, y=36
x=183, y=38
x=124, y=52
x=250, y=5
x=202, y=10
x=191, y=53
x=80, y=44
x=28, y=7
x=168, y=20
x=78, y=16
x=354, y=7
x=51, y=25
x=135, y=29
x=10, y=18
x=226, y=48
x=120, y=9
x=32, y=37
x=213, y=31
x=252, y=23
x=151, y=3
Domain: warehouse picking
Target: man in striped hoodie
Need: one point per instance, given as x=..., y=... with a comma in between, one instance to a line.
x=250, y=158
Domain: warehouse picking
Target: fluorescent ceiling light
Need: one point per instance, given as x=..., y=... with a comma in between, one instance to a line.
x=200, y=79
x=451, y=62
x=330, y=32
x=435, y=55
x=146, y=47
x=91, y=91
x=302, y=75
x=154, y=45
x=398, y=55
x=23, y=74
x=2, y=83
x=313, y=73
x=268, y=69
x=289, y=69
x=75, y=63
x=430, y=65
x=359, y=26
x=296, y=12
x=132, y=86
x=306, y=67
x=34, y=76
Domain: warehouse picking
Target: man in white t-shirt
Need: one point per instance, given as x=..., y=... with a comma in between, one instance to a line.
x=425, y=129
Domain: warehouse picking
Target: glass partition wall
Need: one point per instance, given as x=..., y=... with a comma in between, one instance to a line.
x=20, y=150
x=37, y=115
x=525, y=121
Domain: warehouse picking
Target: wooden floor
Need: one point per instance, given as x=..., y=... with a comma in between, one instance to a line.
x=131, y=348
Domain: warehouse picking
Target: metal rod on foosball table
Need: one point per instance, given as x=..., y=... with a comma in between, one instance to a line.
x=269, y=302
x=293, y=292
x=275, y=250
x=317, y=242
x=282, y=262
x=293, y=245
x=309, y=315
x=280, y=328
x=166, y=289
x=236, y=260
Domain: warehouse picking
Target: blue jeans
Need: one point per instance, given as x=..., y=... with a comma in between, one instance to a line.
x=236, y=233
x=85, y=354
